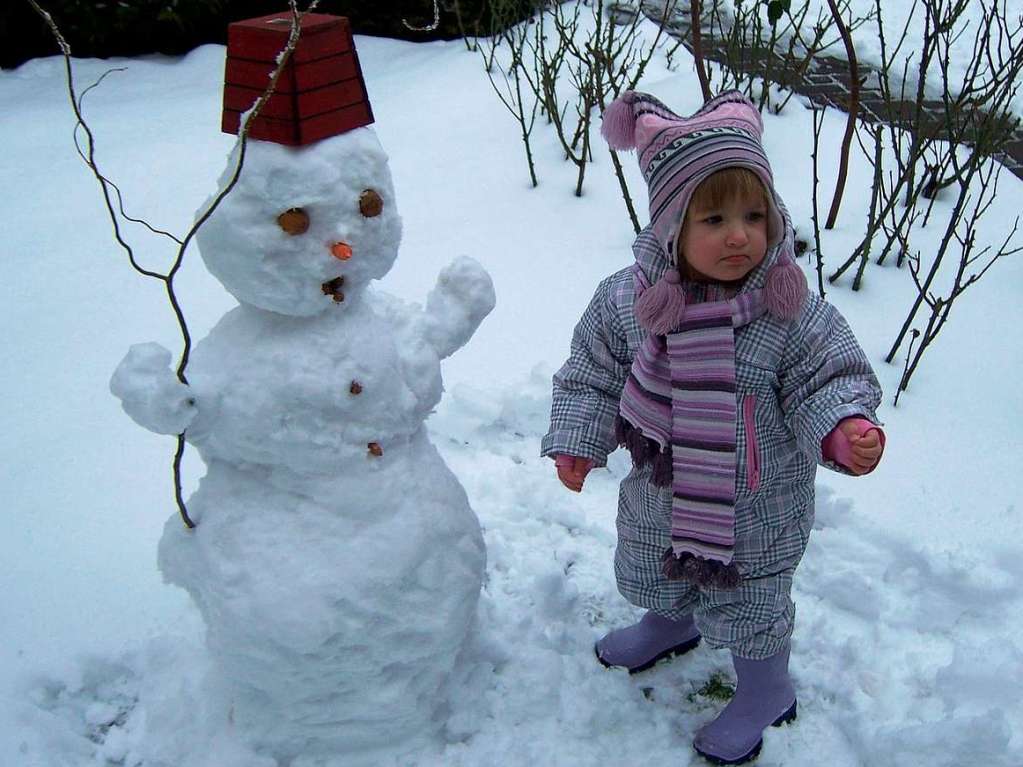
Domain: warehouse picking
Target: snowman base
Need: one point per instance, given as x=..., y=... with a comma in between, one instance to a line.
x=326, y=647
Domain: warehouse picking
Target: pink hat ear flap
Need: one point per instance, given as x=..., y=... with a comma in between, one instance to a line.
x=661, y=307
x=785, y=289
x=618, y=123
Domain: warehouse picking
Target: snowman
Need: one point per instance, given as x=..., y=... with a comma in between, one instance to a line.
x=335, y=559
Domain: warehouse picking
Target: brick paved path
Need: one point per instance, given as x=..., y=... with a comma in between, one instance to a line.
x=827, y=83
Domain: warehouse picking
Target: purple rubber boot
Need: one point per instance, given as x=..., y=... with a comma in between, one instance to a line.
x=641, y=645
x=764, y=696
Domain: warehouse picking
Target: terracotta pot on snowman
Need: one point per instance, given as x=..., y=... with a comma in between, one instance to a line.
x=336, y=560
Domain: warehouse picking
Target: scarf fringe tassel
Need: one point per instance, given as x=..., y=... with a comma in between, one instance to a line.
x=645, y=451
x=702, y=572
x=686, y=566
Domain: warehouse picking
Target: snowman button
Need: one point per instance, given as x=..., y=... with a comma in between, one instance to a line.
x=375, y=449
x=294, y=221
x=355, y=388
x=370, y=203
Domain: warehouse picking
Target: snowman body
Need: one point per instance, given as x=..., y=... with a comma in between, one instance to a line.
x=335, y=558
x=337, y=585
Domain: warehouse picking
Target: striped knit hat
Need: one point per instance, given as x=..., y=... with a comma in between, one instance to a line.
x=676, y=154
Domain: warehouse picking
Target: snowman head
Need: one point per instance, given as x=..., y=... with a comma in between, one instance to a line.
x=305, y=229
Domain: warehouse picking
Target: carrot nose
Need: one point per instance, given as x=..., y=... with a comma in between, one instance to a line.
x=341, y=250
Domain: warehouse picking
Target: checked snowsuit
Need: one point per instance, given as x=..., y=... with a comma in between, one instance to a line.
x=794, y=383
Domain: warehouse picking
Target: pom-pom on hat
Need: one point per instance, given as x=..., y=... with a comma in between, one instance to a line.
x=677, y=153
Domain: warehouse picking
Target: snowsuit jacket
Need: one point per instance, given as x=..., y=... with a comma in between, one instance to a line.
x=794, y=382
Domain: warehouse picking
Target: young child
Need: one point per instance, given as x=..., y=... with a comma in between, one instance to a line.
x=728, y=382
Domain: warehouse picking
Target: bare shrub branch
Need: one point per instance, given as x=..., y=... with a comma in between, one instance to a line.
x=696, y=34
x=786, y=47
x=972, y=137
x=818, y=123
x=511, y=93
x=599, y=57
x=961, y=235
x=854, y=108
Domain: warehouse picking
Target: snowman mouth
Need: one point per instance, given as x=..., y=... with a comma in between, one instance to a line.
x=333, y=287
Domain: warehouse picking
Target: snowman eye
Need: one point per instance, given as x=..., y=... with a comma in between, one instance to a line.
x=294, y=221
x=370, y=203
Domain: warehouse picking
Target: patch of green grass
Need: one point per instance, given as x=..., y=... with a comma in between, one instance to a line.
x=719, y=687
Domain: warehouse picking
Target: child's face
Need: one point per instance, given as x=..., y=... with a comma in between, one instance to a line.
x=726, y=242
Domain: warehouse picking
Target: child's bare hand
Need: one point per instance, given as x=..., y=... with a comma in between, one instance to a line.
x=572, y=471
x=866, y=448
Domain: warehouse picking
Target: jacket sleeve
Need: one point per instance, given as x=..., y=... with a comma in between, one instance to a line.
x=826, y=378
x=588, y=386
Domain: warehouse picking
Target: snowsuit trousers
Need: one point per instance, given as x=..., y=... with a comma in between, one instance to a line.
x=754, y=620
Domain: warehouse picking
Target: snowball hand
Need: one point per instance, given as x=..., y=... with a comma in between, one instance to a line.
x=456, y=306
x=150, y=392
x=572, y=471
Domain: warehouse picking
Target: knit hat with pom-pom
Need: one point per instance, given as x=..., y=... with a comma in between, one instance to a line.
x=676, y=154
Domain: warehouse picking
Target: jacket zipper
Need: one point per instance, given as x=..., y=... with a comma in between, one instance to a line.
x=749, y=409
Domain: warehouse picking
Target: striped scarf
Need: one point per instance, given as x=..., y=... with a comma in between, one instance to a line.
x=678, y=413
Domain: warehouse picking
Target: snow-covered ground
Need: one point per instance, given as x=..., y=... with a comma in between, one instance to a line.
x=908, y=647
